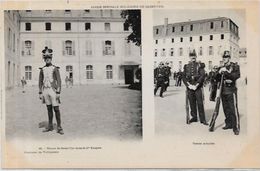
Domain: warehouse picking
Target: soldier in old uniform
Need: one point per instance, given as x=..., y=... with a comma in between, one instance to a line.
x=49, y=89
x=193, y=78
x=167, y=75
x=213, y=83
x=231, y=72
x=159, y=75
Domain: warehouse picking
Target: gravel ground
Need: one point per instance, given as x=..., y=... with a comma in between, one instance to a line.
x=89, y=111
x=170, y=113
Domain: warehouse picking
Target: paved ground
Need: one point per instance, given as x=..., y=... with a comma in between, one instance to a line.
x=92, y=111
x=170, y=113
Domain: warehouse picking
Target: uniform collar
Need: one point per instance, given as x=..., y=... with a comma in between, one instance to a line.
x=47, y=65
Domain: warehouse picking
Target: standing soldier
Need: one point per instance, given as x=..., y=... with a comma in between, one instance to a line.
x=193, y=78
x=49, y=89
x=231, y=73
x=23, y=81
x=167, y=75
x=213, y=83
x=159, y=74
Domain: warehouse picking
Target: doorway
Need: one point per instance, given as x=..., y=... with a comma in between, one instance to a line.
x=129, y=76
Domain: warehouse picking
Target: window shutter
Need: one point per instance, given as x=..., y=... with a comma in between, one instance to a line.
x=90, y=47
x=32, y=48
x=87, y=48
x=73, y=47
x=113, y=47
x=23, y=42
x=63, y=48
x=103, y=47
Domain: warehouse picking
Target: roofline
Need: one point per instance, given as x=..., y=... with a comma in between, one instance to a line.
x=196, y=21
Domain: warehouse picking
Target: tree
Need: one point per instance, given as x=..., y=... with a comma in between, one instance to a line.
x=133, y=21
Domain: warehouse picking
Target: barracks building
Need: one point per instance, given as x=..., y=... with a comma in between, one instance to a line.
x=89, y=46
x=209, y=38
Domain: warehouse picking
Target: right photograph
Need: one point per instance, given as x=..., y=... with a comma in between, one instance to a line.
x=200, y=78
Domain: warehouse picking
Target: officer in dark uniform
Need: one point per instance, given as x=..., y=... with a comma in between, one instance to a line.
x=213, y=83
x=167, y=75
x=231, y=73
x=193, y=77
x=159, y=74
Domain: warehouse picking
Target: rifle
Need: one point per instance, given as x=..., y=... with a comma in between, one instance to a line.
x=216, y=111
x=187, y=108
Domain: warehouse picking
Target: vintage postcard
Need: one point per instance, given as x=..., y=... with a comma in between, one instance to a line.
x=145, y=84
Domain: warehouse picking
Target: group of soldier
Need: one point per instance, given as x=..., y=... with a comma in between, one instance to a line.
x=194, y=78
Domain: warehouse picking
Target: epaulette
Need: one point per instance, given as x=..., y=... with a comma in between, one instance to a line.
x=56, y=67
x=41, y=67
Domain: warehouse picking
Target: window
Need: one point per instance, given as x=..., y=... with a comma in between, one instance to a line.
x=67, y=26
x=47, y=11
x=200, y=51
x=210, y=65
x=155, y=53
x=181, y=39
x=191, y=27
x=219, y=50
x=163, y=53
x=67, y=11
x=222, y=24
x=109, y=72
x=86, y=11
x=28, y=26
x=211, y=37
x=48, y=43
x=190, y=39
x=180, y=65
x=181, y=51
x=181, y=28
x=172, y=52
x=28, y=72
x=222, y=36
x=27, y=48
x=157, y=31
x=107, y=27
x=89, y=72
x=211, y=25
x=200, y=38
x=172, y=40
x=126, y=27
x=13, y=42
x=108, y=48
x=28, y=11
x=210, y=50
x=87, y=26
x=47, y=26
x=68, y=48
x=173, y=29
x=156, y=41
x=88, y=48
x=9, y=38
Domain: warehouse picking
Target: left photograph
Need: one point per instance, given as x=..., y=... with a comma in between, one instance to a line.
x=73, y=74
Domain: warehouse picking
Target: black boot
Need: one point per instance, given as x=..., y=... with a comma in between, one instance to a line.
x=58, y=119
x=50, y=117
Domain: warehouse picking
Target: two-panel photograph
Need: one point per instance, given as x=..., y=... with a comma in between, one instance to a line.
x=74, y=86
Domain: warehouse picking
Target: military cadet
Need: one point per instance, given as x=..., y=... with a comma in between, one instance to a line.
x=167, y=75
x=159, y=74
x=213, y=83
x=49, y=89
x=231, y=73
x=193, y=77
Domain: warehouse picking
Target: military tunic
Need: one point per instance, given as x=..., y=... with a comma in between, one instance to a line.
x=229, y=95
x=193, y=74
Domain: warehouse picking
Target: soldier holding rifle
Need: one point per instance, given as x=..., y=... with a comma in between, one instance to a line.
x=230, y=72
